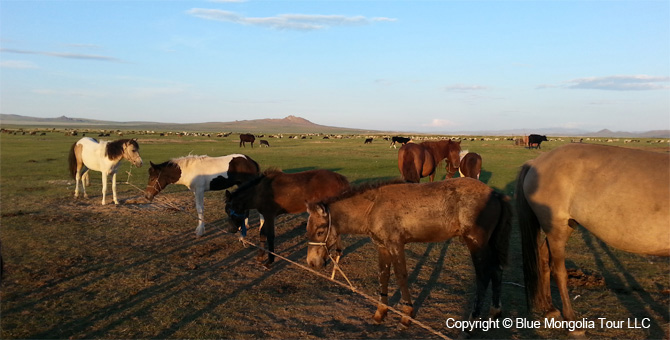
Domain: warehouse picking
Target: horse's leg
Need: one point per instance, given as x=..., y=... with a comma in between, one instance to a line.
x=545, y=304
x=200, y=208
x=557, y=239
x=116, y=201
x=265, y=230
x=104, y=186
x=384, y=274
x=481, y=259
x=400, y=269
x=270, y=233
x=496, y=272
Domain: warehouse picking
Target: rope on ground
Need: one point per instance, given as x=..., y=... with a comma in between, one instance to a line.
x=336, y=267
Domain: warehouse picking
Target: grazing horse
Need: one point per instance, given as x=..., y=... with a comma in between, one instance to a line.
x=432, y=212
x=471, y=164
x=398, y=139
x=416, y=161
x=276, y=193
x=200, y=174
x=247, y=138
x=103, y=156
x=264, y=142
x=618, y=194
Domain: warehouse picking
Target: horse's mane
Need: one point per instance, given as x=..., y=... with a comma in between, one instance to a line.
x=186, y=160
x=114, y=149
x=268, y=173
x=360, y=189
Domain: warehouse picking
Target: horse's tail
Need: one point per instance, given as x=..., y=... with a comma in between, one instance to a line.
x=499, y=241
x=530, y=237
x=72, y=161
x=407, y=166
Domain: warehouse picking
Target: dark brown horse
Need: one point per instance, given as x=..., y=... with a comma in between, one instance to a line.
x=471, y=164
x=275, y=193
x=432, y=212
x=620, y=195
x=416, y=161
x=247, y=138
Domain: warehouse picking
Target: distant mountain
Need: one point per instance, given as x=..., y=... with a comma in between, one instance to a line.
x=293, y=124
x=290, y=124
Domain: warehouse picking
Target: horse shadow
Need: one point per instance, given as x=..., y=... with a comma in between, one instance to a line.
x=628, y=290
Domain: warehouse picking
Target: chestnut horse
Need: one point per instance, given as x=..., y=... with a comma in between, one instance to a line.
x=471, y=164
x=275, y=193
x=416, y=161
x=431, y=212
x=618, y=194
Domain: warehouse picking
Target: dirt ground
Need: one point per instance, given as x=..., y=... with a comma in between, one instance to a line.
x=76, y=269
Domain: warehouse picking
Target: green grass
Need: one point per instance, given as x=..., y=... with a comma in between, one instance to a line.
x=76, y=269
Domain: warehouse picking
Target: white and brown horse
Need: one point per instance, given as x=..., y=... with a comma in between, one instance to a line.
x=103, y=156
x=620, y=195
x=432, y=212
x=200, y=174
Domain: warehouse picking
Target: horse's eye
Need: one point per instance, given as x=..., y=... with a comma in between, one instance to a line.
x=319, y=233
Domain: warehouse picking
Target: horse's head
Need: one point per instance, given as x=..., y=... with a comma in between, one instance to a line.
x=321, y=235
x=160, y=176
x=131, y=152
x=453, y=159
x=236, y=212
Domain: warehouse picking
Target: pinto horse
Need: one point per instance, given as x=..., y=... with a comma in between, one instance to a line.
x=432, y=212
x=103, y=156
x=471, y=164
x=416, y=161
x=276, y=193
x=200, y=174
x=618, y=194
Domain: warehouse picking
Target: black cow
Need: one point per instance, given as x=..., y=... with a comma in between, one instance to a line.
x=247, y=137
x=536, y=140
x=368, y=141
x=401, y=140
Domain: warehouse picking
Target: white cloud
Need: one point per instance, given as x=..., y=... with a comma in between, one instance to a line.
x=615, y=83
x=18, y=64
x=302, y=22
x=464, y=88
x=439, y=123
x=63, y=55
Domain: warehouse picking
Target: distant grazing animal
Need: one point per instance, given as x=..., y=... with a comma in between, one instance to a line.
x=536, y=140
x=200, y=174
x=247, y=138
x=401, y=140
x=264, y=142
x=430, y=212
x=103, y=156
x=471, y=164
x=276, y=193
x=368, y=141
x=620, y=195
x=416, y=161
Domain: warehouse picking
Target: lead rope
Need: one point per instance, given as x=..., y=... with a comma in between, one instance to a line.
x=331, y=279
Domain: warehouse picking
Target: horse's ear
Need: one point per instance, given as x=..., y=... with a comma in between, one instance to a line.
x=152, y=164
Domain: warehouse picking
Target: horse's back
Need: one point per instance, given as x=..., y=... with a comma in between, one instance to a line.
x=291, y=191
x=415, y=162
x=92, y=154
x=201, y=170
x=619, y=194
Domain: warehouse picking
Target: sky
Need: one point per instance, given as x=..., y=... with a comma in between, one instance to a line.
x=425, y=66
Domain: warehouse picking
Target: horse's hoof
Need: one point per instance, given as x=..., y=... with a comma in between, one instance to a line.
x=553, y=314
x=380, y=315
x=578, y=334
x=464, y=335
x=495, y=312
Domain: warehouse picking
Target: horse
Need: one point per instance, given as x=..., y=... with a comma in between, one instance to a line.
x=398, y=139
x=200, y=174
x=276, y=193
x=416, y=161
x=264, y=142
x=471, y=164
x=247, y=138
x=618, y=194
x=432, y=212
x=87, y=153
x=368, y=141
